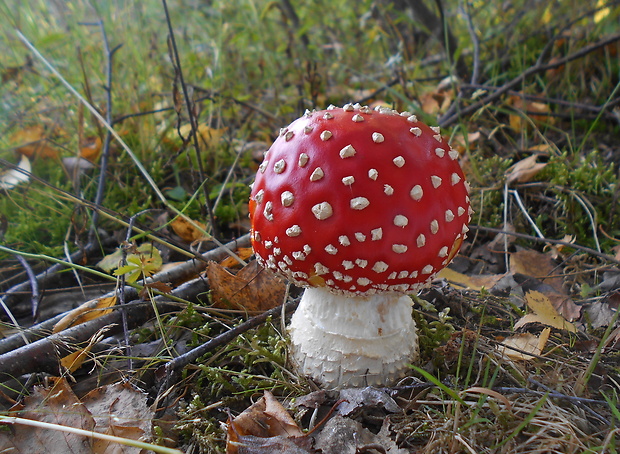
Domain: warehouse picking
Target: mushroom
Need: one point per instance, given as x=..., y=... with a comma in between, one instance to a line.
x=361, y=207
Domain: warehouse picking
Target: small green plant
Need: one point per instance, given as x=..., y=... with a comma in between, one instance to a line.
x=142, y=261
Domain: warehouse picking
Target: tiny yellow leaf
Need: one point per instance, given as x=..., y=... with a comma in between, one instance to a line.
x=206, y=135
x=601, y=13
x=544, y=313
x=476, y=283
x=527, y=343
x=87, y=311
x=73, y=361
x=189, y=231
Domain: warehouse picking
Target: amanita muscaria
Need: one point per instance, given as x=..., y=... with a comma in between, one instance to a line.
x=361, y=207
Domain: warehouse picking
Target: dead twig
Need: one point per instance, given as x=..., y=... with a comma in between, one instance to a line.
x=180, y=272
x=171, y=372
x=189, y=105
x=49, y=275
x=594, y=252
x=577, y=403
x=539, y=67
x=105, y=151
x=34, y=285
x=43, y=355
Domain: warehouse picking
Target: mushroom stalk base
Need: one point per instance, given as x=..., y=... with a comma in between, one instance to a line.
x=342, y=341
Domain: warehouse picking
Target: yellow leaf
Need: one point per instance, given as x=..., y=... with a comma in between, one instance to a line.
x=90, y=310
x=536, y=111
x=243, y=253
x=32, y=142
x=476, y=283
x=91, y=149
x=548, y=14
x=206, y=135
x=73, y=361
x=189, y=231
x=544, y=313
x=601, y=13
x=528, y=343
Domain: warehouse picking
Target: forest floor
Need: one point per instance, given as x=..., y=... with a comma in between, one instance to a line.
x=133, y=316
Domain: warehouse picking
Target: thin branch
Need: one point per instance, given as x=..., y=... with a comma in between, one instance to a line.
x=577, y=403
x=546, y=99
x=192, y=118
x=289, y=11
x=552, y=394
x=105, y=153
x=455, y=106
x=593, y=252
x=178, y=273
x=173, y=369
x=464, y=7
x=34, y=286
x=447, y=120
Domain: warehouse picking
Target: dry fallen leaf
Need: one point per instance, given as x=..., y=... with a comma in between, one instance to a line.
x=524, y=170
x=117, y=410
x=87, y=311
x=76, y=165
x=265, y=427
x=436, y=101
x=459, y=143
x=529, y=343
x=91, y=149
x=565, y=306
x=536, y=111
x=266, y=418
x=537, y=265
x=253, y=288
x=188, y=231
x=476, y=283
x=32, y=142
x=74, y=361
x=56, y=405
x=122, y=411
x=543, y=312
x=353, y=399
x=347, y=436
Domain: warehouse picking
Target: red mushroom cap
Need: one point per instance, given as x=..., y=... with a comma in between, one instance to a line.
x=360, y=201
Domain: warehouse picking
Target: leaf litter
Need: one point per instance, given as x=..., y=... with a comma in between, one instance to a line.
x=117, y=410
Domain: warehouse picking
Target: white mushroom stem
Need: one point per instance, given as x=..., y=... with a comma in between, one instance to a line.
x=341, y=341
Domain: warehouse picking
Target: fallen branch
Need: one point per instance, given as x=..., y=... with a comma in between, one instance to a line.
x=171, y=372
x=44, y=354
x=176, y=274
